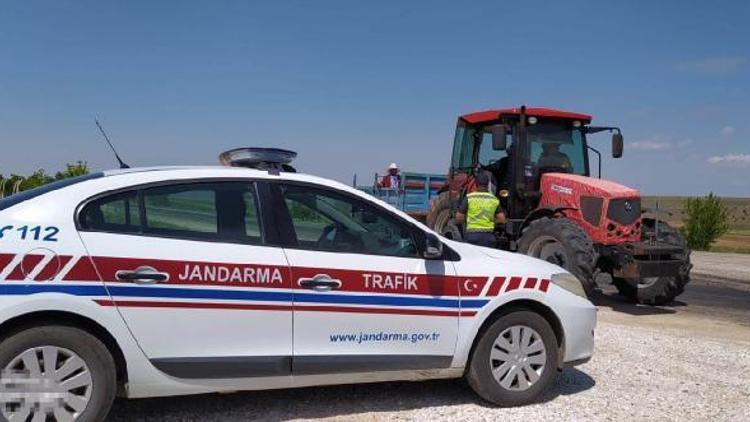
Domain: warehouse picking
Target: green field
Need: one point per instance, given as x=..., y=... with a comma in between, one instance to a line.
x=738, y=238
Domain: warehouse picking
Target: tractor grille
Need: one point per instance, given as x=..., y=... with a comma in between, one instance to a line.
x=591, y=208
x=625, y=211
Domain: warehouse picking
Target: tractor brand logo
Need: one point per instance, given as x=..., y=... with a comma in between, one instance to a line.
x=562, y=189
x=628, y=206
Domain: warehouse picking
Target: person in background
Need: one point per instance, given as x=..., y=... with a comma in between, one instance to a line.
x=480, y=211
x=392, y=180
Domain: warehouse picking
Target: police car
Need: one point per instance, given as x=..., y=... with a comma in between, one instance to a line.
x=185, y=280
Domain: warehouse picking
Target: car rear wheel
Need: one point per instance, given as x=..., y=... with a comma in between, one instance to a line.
x=515, y=360
x=56, y=373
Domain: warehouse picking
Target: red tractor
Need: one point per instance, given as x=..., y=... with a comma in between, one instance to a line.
x=556, y=210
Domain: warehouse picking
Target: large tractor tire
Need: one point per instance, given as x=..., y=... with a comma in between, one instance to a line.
x=659, y=290
x=441, y=215
x=562, y=242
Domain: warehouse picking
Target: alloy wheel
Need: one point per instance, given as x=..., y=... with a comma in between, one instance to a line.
x=45, y=382
x=518, y=358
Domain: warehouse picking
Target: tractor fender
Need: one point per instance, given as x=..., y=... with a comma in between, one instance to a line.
x=550, y=212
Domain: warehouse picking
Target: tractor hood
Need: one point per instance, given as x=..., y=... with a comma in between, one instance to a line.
x=560, y=186
x=609, y=212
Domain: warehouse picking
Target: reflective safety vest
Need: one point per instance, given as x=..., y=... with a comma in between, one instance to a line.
x=480, y=216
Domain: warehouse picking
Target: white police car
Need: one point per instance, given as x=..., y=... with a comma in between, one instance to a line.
x=170, y=281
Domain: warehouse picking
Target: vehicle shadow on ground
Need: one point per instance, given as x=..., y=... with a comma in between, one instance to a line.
x=324, y=402
x=621, y=304
x=607, y=296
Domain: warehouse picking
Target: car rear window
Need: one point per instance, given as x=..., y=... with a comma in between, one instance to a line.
x=220, y=211
x=114, y=213
x=17, y=198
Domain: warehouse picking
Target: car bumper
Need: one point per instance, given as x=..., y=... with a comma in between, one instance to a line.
x=576, y=362
x=578, y=319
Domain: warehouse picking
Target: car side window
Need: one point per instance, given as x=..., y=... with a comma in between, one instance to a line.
x=116, y=213
x=223, y=212
x=324, y=220
x=187, y=210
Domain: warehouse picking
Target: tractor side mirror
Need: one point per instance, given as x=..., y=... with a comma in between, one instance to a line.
x=433, y=247
x=499, y=135
x=617, y=145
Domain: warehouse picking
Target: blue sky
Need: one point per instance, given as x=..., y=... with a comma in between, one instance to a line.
x=353, y=86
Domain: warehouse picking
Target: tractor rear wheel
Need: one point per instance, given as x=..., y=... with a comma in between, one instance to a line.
x=561, y=242
x=659, y=290
x=440, y=217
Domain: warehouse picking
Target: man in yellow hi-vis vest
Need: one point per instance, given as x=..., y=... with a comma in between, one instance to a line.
x=480, y=211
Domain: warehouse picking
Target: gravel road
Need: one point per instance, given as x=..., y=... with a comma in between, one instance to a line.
x=690, y=360
x=637, y=373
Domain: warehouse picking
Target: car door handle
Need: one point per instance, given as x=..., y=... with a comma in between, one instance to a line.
x=321, y=282
x=142, y=275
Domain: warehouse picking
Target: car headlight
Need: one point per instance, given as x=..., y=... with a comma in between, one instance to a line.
x=569, y=282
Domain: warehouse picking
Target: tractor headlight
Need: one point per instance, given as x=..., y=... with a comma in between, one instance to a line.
x=569, y=282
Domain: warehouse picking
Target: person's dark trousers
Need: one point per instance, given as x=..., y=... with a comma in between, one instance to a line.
x=481, y=238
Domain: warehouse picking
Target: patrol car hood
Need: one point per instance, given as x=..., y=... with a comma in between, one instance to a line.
x=488, y=261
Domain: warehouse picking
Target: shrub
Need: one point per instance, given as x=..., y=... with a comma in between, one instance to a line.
x=9, y=185
x=73, y=170
x=707, y=220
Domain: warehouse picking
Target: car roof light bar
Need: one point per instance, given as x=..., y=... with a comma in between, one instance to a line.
x=274, y=160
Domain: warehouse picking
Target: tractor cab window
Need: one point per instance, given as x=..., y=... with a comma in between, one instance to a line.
x=463, y=148
x=557, y=148
x=487, y=155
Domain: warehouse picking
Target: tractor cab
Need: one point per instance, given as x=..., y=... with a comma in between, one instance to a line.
x=518, y=146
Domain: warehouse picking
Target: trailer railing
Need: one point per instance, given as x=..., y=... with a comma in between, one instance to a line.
x=414, y=194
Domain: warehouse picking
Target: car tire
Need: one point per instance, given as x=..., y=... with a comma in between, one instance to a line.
x=483, y=367
x=72, y=350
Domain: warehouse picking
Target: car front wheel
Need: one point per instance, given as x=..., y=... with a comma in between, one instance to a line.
x=515, y=360
x=55, y=373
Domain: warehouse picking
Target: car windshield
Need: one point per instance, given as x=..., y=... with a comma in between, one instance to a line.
x=17, y=198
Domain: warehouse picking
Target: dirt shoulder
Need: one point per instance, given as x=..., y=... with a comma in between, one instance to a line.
x=682, y=324
x=726, y=266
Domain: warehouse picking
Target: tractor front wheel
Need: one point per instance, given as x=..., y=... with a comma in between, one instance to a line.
x=659, y=290
x=561, y=242
x=440, y=218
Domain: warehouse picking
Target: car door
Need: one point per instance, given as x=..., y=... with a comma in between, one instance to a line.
x=364, y=298
x=189, y=267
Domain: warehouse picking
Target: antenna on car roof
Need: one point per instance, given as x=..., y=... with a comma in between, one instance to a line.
x=106, y=138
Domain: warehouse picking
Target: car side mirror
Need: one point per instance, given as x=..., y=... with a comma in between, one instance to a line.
x=617, y=145
x=499, y=138
x=433, y=247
